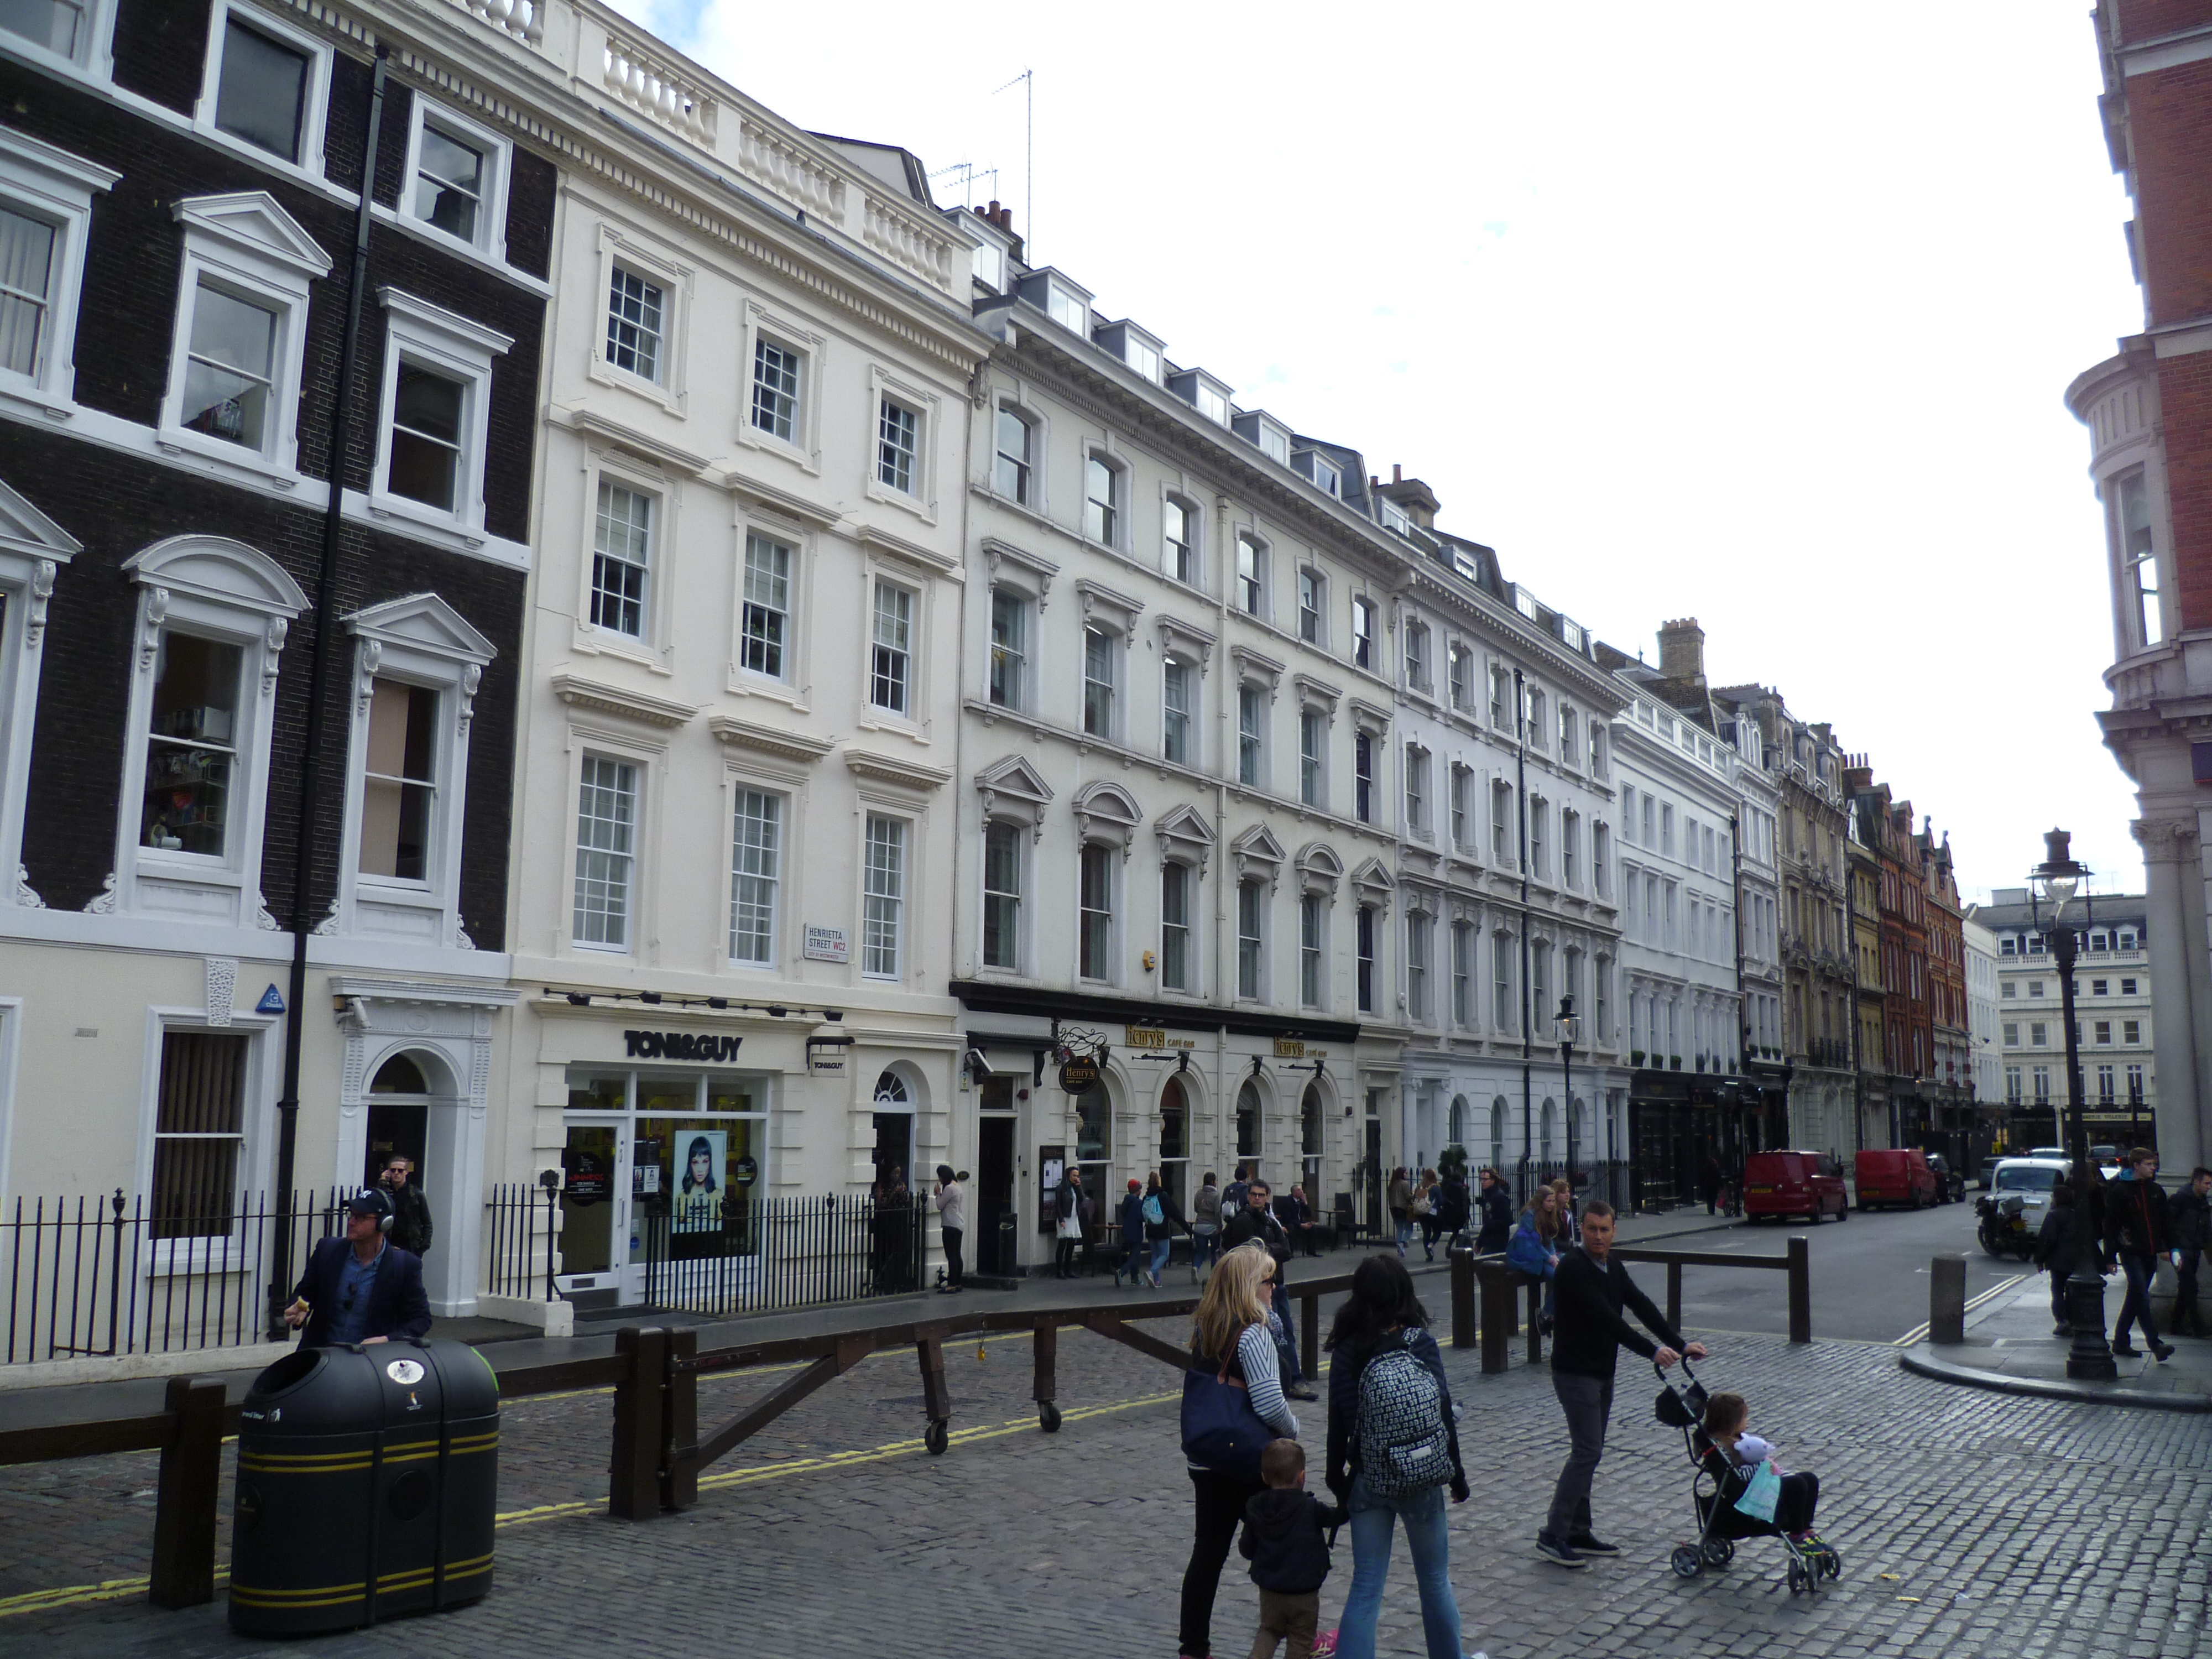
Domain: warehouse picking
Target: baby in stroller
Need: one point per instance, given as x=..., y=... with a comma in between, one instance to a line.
x=1739, y=1491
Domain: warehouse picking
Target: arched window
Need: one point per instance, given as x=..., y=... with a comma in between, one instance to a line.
x=1174, y=1140
x=1578, y=1141
x=1497, y=1133
x=1094, y=1126
x=399, y=1076
x=1455, y=1134
x=1544, y=1128
x=1247, y=1121
x=1310, y=1117
x=891, y=1093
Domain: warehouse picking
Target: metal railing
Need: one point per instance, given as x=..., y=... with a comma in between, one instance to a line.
x=754, y=1255
x=98, y=1277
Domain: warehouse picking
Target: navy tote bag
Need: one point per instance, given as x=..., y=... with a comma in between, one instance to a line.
x=1221, y=1430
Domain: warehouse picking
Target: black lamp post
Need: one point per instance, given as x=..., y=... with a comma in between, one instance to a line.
x=2054, y=885
x=1568, y=1028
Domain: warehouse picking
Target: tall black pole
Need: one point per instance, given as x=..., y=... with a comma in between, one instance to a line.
x=1521, y=799
x=310, y=791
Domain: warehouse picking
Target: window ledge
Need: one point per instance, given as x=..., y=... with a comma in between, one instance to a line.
x=226, y=459
x=445, y=242
x=641, y=706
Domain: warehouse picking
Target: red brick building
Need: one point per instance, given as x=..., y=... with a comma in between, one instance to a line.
x=2150, y=413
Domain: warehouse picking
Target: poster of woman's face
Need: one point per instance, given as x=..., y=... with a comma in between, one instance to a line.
x=699, y=1179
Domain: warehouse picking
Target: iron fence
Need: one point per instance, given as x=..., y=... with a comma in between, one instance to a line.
x=746, y=1255
x=96, y=1277
x=1591, y=1177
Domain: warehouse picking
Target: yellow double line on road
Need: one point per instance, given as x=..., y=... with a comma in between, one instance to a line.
x=112, y=1589
x=1919, y=1333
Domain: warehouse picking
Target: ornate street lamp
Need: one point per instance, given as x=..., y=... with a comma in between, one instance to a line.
x=2054, y=885
x=1568, y=1029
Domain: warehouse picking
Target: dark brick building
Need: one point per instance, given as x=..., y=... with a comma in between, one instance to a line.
x=203, y=662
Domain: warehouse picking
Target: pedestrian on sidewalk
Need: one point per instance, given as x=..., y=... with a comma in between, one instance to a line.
x=1282, y=1540
x=1228, y=1334
x=1232, y=1195
x=1134, y=1215
x=1709, y=1182
x=1424, y=1211
x=950, y=1198
x=1205, y=1223
x=2135, y=1230
x=1453, y=1203
x=1393, y=1451
x=2065, y=1240
x=1163, y=1221
x=1400, y=1199
x=1068, y=1206
x=2190, y=1213
x=1563, y=1213
x=1535, y=1248
x=1493, y=1204
x=361, y=1287
x=1592, y=1290
x=412, y=1229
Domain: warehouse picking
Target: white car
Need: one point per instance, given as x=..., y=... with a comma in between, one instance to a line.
x=2012, y=1211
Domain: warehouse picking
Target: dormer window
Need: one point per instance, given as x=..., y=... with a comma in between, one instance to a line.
x=1394, y=516
x=990, y=265
x=1269, y=437
x=1145, y=361
x=1139, y=350
x=1208, y=396
x=1325, y=476
x=1068, y=310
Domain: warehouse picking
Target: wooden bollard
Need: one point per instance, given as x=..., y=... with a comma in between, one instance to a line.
x=184, y=1505
x=1463, y=1296
x=633, y=1472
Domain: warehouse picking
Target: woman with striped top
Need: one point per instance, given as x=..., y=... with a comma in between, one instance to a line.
x=1230, y=1329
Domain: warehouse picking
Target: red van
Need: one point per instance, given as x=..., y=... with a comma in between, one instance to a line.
x=1895, y=1174
x=1779, y=1184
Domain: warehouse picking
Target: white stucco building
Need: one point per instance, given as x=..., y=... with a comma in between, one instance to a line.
x=1982, y=994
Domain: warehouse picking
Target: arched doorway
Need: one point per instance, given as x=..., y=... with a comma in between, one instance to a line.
x=1249, y=1115
x=1175, y=1143
x=1094, y=1142
x=1498, y=1134
x=1311, y=1119
x=893, y=1156
x=398, y=1119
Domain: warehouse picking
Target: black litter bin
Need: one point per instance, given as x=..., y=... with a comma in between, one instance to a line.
x=367, y=1478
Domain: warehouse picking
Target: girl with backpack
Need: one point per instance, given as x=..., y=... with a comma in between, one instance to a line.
x=1162, y=1215
x=1393, y=1451
x=1229, y=1337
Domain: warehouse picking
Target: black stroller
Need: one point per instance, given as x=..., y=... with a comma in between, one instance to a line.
x=1714, y=1490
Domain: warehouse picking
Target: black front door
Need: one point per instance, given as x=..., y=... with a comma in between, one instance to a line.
x=995, y=1193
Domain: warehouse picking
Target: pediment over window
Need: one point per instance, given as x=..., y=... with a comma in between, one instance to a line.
x=1106, y=812
x=1319, y=868
x=221, y=570
x=24, y=529
x=424, y=622
x=1178, y=637
x=253, y=223
x=1374, y=884
x=1012, y=791
x=1258, y=855
x=1185, y=837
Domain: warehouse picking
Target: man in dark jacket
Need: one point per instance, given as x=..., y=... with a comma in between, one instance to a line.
x=1493, y=1204
x=1297, y=1216
x=363, y=1287
x=412, y=1229
x=2190, y=1215
x=1591, y=1290
x=2067, y=1240
x=1453, y=1203
x=2136, y=1231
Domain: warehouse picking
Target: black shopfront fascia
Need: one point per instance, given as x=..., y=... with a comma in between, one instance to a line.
x=1084, y=1008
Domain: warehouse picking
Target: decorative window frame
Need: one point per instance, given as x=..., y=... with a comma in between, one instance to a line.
x=1124, y=476
x=656, y=648
x=803, y=448
x=906, y=805
x=1107, y=815
x=1185, y=837
x=1173, y=488
x=257, y=1120
x=876, y=572
x=1259, y=857
x=1262, y=565
x=1320, y=870
x=606, y=742
x=33, y=550
x=420, y=640
x=490, y=241
x=248, y=245
x=50, y=184
x=93, y=60
x=749, y=770
x=677, y=280
x=922, y=502
x=1035, y=416
x=314, y=104
x=220, y=589
x=416, y=330
x=796, y=687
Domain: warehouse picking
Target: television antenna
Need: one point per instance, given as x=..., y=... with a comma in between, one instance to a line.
x=1027, y=81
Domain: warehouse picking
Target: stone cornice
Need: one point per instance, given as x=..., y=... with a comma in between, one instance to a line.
x=781, y=741
x=889, y=768
x=617, y=700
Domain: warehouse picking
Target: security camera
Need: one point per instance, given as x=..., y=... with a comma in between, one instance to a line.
x=979, y=1068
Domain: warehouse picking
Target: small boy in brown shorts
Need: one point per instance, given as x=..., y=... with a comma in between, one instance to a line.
x=1283, y=1541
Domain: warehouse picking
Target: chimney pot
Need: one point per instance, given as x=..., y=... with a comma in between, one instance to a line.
x=1397, y=473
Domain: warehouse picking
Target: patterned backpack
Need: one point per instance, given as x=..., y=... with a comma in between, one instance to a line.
x=1404, y=1445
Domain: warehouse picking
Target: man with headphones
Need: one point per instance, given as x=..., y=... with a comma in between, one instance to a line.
x=363, y=1287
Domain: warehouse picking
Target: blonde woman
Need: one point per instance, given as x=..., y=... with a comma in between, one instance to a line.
x=1228, y=1330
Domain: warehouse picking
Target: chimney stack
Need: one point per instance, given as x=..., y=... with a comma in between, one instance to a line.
x=1682, y=651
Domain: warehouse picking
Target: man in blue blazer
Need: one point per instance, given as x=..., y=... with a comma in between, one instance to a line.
x=361, y=1288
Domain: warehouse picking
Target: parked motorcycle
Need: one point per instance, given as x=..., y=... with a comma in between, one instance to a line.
x=2002, y=1229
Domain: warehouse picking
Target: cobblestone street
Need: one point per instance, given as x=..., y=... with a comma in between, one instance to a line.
x=1970, y=1523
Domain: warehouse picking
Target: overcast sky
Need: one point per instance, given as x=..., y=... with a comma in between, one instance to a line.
x=1759, y=313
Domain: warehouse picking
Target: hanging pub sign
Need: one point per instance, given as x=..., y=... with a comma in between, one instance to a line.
x=1079, y=1076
